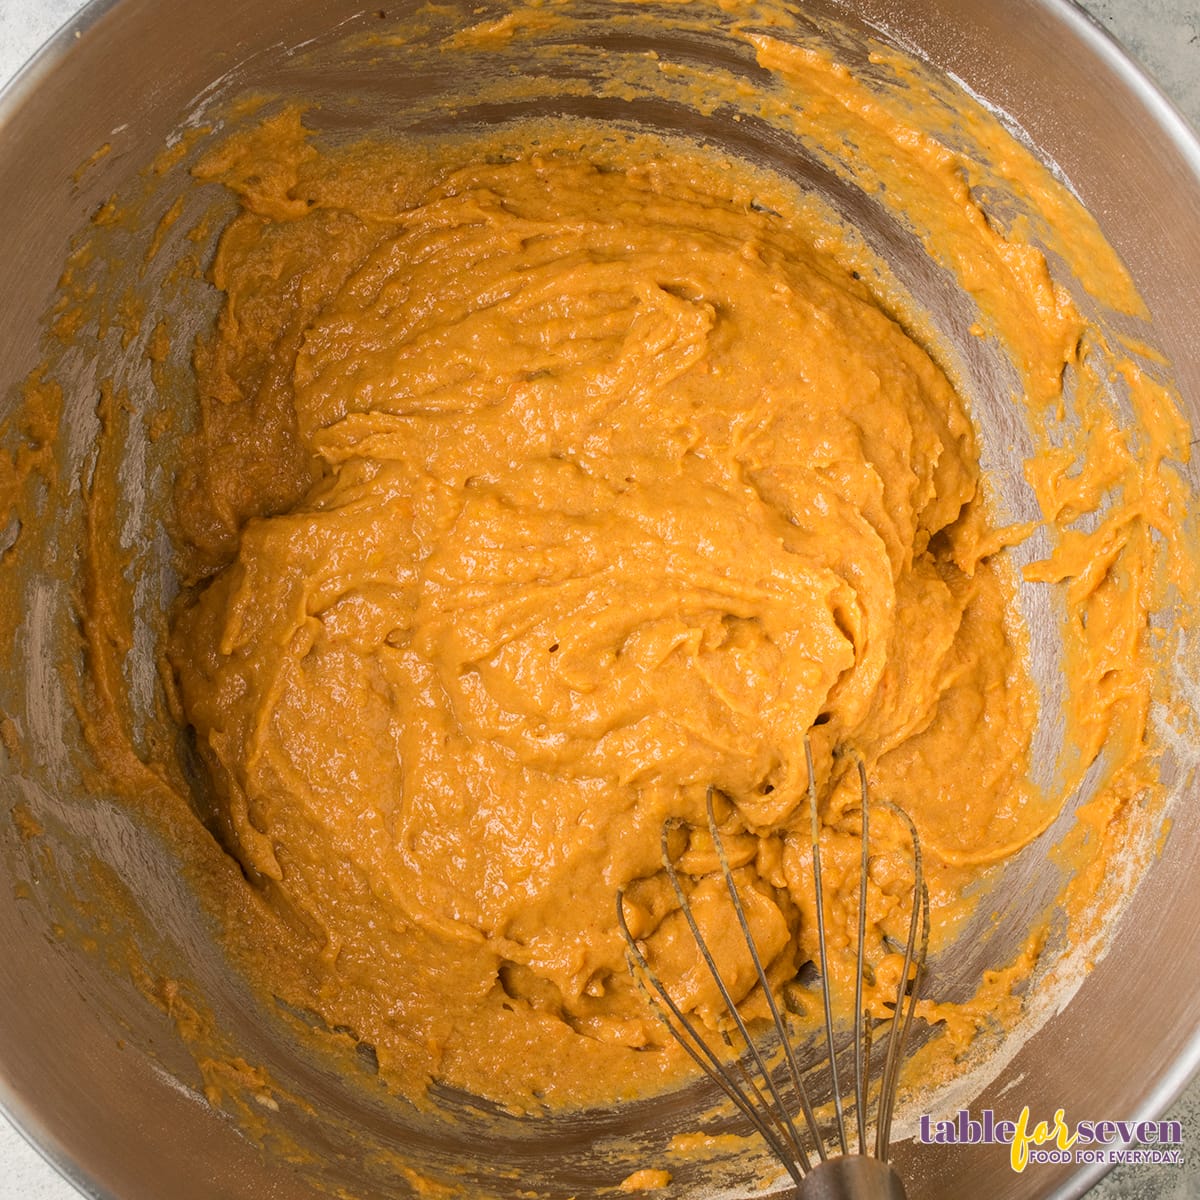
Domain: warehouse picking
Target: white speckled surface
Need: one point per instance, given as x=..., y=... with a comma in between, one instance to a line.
x=1164, y=35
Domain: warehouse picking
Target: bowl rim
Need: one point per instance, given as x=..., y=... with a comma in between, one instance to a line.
x=1152, y=100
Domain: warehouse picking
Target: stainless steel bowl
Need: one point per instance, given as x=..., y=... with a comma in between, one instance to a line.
x=95, y=1074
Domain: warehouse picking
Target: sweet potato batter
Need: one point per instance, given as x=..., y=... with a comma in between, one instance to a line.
x=533, y=496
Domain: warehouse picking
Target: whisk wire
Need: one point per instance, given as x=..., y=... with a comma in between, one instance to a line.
x=768, y=993
x=907, y=991
x=714, y=972
x=823, y=949
x=778, y=1117
x=860, y=1043
x=690, y=1039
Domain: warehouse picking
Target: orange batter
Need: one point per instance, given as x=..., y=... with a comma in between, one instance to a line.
x=569, y=488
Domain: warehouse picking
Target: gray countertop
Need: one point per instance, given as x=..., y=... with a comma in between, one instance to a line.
x=1164, y=36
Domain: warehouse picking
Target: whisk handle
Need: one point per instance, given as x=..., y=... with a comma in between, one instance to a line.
x=851, y=1177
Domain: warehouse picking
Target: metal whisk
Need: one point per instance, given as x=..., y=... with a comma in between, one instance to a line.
x=750, y=1083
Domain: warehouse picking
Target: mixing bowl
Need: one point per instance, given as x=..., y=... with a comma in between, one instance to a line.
x=95, y=918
